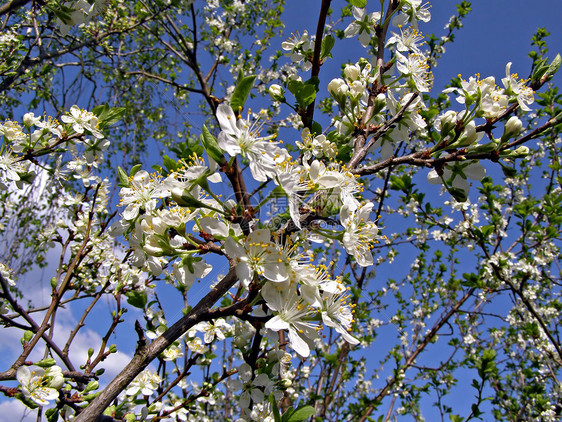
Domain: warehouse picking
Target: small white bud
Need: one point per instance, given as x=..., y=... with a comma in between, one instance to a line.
x=276, y=92
x=512, y=128
x=352, y=72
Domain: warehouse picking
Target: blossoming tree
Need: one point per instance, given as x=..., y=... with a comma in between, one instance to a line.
x=290, y=264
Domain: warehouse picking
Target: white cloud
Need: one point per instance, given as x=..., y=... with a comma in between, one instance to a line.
x=15, y=411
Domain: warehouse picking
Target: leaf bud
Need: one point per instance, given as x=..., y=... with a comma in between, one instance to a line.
x=520, y=152
x=26, y=336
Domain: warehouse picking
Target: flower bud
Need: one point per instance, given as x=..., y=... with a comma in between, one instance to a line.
x=380, y=103
x=286, y=383
x=469, y=136
x=276, y=92
x=512, y=128
x=448, y=122
x=337, y=88
x=29, y=119
x=352, y=72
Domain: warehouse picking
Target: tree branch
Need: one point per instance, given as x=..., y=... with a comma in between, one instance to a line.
x=145, y=355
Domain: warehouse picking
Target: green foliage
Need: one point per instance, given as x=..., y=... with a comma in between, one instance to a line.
x=209, y=143
x=242, y=89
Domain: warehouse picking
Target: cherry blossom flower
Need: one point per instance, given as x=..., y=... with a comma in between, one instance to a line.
x=291, y=313
x=239, y=136
x=407, y=40
x=416, y=67
x=456, y=175
x=82, y=120
x=197, y=346
x=517, y=87
x=317, y=145
x=413, y=11
x=363, y=25
x=253, y=387
x=40, y=385
x=259, y=255
x=337, y=314
x=143, y=191
x=338, y=184
x=185, y=276
x=10, y=169
x=145, y=383
x=172, y=353
x=213, y=330
x=360, y=233
x=298, y=47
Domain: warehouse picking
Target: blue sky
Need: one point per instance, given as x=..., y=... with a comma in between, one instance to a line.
x=495, y=32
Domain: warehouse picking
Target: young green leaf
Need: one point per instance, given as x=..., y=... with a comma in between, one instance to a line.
x=241, y=91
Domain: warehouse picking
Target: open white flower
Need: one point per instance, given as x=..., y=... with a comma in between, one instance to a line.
x=407, y=40
x=239, y=136
x=172, y=353
x=292, y=313
x=253, y=388
x=213, y=330
x=299, y=48
x=456, y=175
x=336, y=313
x=40, y=385
x=360, y=233
x=143, y=191
x=517, y=87
x=259, y=255
x=82, y=120
x=145, y=383
x=412, y=12
x=363, y=25
x=416, y=67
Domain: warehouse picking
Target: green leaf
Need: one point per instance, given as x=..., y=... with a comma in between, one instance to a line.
x=130, y=417
x=316, y=128
x=287, y=414
x=136, y=299
x=27, y=335
x=358, y=3
x=123, y=178
x=99, y=110
x=135, y=169
x=112, y=116
x=108, y=116
x=307, y=92
x=171, y=165
x=327, y=45
x=274, y=408
x=52, y=415
x=241, y=91
x=508, y=171
x=294, y=86
x=554, y=66
x=210, y=144
x=302, y=413
x=470, y=280
x=186, y=200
